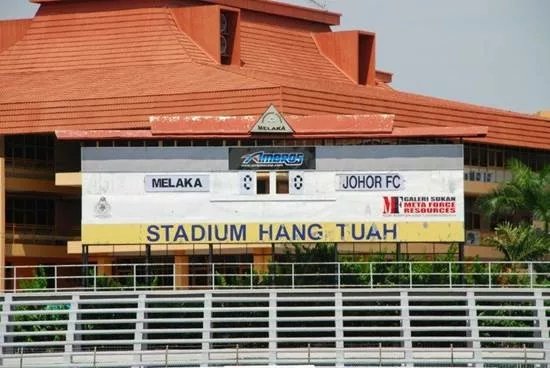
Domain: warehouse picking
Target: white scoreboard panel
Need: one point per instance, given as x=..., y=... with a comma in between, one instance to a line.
x=272, y=194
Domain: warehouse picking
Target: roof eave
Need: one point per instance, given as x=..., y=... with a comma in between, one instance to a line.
x=145, y=134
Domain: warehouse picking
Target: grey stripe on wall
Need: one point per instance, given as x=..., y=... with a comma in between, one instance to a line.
x=328, y=158
x=154, y=159
x=390, y=157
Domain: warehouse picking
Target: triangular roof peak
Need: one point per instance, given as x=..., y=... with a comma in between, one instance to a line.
x=262, y=6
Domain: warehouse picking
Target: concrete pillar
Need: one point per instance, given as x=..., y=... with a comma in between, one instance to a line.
x=104, y=266
x=181, y=267
x=261, y=259
x=2, y=216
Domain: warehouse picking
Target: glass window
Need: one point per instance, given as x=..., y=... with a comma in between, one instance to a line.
x=30, y=147
x=472, y=214
x=30, y=211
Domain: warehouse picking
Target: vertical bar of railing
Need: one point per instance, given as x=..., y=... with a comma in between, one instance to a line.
x=379, y=354
x=95, y=277
x=531, y=275
x=338, y=267
x=135, y=277
x=55, y=278
x=490, y=281
x=410, y=275
x=15, y=279
x=251, y=276
x=371, y=278
x=174, y=276
x=292, y=274
x=213, y=275
x=450, y=275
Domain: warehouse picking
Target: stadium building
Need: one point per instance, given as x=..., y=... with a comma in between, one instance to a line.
x=94, y=89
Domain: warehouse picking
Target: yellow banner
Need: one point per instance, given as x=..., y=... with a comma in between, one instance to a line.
x=452, y=231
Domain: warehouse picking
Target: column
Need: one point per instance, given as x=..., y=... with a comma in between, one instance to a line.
x=104, y=266
x=181, y=267
x=2, y=216
x=261, y=258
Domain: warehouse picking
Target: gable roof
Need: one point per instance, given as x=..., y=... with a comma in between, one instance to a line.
x=103, y=64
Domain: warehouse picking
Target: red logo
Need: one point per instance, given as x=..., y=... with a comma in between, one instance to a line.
x=391, y=205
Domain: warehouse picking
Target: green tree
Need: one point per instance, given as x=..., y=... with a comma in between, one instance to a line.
x=519, y=242
x=527, y=192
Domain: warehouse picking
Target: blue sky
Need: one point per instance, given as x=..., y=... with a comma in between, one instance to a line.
x=487, y=52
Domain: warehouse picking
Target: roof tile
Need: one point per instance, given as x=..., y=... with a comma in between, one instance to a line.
x=106, y=64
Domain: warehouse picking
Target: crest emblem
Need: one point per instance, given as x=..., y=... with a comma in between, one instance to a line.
x=102, y=208
x=272, y=122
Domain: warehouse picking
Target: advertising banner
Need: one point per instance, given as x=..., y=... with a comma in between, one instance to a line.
x=168, y=195
x=258, y=158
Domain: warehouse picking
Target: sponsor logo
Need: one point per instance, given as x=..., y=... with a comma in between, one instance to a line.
x=263, y=159
x=418, y=206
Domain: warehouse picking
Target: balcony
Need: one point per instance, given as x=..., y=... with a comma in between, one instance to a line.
x=39, y=234
x=29, y=169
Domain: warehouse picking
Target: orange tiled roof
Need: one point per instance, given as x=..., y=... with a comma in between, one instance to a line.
x=103, y=64
x=12, y=31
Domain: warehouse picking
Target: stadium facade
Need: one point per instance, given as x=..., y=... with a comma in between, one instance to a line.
x=188, y=75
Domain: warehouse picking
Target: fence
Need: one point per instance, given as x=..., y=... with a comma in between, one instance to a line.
x=318, y=327
x=276, y=275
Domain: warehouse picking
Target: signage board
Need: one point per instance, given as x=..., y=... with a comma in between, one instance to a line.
x=185, y=195
x=260, y=158
x=370, y=182
x=177, y=183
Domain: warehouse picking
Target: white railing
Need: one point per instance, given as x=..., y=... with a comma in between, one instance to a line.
x=328, y=327
x=276, y=275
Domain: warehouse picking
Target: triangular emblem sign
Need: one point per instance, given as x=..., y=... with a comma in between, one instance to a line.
x=271, y=122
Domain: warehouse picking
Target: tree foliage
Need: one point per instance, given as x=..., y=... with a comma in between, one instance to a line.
x=526, y=192
x=520, y=242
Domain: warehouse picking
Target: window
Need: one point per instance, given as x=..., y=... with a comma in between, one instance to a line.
x=282, y=182
x=37, y=147
x=262, y=182
x=472, y=214
x=30, y=211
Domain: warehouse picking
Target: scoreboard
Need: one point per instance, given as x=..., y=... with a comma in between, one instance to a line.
x=371, y=193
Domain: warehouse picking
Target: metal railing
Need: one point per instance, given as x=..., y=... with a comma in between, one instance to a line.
x=319, y=327
x=372, y=275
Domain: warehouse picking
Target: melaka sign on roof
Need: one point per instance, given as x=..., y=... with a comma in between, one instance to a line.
x=272, y=122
